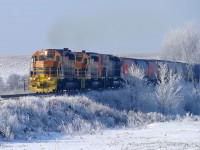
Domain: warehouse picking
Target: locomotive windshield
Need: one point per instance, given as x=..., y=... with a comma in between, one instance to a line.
x=51, y=56
x=42, y=58
x=79, y=59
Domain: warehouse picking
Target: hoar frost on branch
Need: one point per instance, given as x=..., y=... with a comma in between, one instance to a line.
x=135, y=79
x=135, y=75
x=140, y=90
x=182, y=44
x=168, y=90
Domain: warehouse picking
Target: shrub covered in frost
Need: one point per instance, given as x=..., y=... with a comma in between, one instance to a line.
x=21, y=118
x=191, y=95
x=168, y=90
x=138, y=119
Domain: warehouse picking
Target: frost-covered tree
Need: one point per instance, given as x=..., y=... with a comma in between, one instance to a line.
x=17, y=82
x=135, y=78
x=182, y=44
x=140, y=90
x=135, y=75
x=13, y=81
x=168, y=90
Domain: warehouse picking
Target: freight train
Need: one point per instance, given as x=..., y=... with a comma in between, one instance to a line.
x=62, y=69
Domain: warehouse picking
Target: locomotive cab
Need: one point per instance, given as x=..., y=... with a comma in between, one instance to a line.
x=45, y=67
x=81, y=63
x=81, y=69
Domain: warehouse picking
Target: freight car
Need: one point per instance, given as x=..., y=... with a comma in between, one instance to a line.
x=62, y=69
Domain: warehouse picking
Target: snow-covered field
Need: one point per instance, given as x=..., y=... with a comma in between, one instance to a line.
x=14, y=65
x=169, y=135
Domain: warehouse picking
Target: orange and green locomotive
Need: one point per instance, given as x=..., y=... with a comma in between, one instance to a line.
x=62, y=69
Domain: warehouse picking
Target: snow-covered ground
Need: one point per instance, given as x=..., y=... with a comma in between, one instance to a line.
x=169, y=135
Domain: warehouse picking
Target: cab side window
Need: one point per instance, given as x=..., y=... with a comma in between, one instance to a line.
x=35, y=59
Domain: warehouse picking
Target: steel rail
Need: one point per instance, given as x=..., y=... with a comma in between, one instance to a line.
x=77, y=92
x=16, y=96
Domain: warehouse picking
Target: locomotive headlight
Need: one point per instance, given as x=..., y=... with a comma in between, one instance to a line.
x=49, y=78
x=33, y=78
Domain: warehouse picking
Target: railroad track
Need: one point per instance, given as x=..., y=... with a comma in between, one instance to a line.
x=16, y=96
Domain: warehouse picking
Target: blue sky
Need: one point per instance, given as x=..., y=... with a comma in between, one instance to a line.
x=104, y=26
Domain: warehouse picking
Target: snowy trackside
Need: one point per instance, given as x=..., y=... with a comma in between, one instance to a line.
x=170, y=135
x=26, y=117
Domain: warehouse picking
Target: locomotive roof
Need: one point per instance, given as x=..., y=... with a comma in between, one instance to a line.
x=61, y=51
